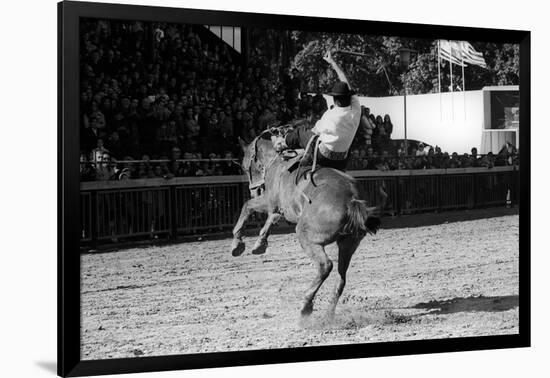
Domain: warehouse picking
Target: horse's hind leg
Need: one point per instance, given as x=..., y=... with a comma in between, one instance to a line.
x=324, y=267
x=261, y=244
x=346, y=248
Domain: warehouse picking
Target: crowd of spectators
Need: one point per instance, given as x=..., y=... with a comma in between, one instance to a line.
x=428, y=157
x=161, y=92
x=155, y=92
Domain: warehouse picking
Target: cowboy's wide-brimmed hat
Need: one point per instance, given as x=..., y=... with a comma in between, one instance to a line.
x=341, y=89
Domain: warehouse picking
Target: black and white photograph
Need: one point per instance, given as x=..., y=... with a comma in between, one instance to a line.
x=275, y=189
x=247, y=188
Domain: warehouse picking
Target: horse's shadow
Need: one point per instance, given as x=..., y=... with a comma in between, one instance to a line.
x=470, y=304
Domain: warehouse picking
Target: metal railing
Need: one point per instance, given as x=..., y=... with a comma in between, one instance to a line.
x=150, y=208
x=132, y=212
x=354, y=162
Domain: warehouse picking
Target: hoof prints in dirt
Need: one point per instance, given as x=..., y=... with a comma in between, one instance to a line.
x=391, y=317
x=356, y=320
x=348, y=320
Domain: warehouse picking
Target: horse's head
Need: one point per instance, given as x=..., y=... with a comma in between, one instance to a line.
x=257, y=157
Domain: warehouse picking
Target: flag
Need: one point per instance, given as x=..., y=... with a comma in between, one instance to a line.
x=461, y=53
x=470, y=55
x=451, y=51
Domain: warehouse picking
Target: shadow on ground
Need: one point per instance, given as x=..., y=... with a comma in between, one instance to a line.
x=470, y=304
x=49, y=366
x=359, y=319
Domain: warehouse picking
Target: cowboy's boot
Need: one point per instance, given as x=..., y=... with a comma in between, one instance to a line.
x=307, y=159
x=279, y=143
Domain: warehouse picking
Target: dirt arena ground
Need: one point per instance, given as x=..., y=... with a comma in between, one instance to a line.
x=449, y=280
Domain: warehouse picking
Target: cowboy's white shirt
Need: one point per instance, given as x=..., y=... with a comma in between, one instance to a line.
x=337, y=127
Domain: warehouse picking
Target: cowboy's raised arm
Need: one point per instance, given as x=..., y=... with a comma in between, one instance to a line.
x=341, y=75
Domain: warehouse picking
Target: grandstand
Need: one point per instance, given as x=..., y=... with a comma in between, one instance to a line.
x=171, y=100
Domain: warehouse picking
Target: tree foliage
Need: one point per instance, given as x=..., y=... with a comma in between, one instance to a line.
x=373, y=66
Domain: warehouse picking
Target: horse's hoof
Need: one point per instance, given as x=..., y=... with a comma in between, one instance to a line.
x=259, y=248
x=237, y=248
x=307, y=310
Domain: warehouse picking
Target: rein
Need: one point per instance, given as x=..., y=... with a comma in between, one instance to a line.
x=259, y=184
x=275, y=130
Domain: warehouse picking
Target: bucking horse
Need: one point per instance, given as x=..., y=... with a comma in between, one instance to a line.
x=324, y=205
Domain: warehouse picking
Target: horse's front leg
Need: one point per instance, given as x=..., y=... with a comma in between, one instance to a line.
x=261, y=243
x=258, y=204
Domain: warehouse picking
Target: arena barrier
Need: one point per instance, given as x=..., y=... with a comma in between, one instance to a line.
x=112, y=211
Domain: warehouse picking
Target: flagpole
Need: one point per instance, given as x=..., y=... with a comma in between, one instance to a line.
x=451, y=72
x=463, y=84
x=439, y=77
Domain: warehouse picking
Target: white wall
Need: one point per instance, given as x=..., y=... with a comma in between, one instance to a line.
x=453, y=121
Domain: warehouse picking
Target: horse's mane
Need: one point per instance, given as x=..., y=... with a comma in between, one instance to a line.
x=266, y=134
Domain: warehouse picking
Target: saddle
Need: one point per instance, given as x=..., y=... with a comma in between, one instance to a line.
x=302, y=160
x=293, y=161
x=292, y=158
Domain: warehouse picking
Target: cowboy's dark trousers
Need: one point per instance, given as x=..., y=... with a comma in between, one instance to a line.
x=299, y=138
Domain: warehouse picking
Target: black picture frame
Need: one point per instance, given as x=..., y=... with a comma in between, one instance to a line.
x=69, y=362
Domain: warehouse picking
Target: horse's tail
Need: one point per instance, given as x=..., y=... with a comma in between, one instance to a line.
x=362, y=220
x=356, y=218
